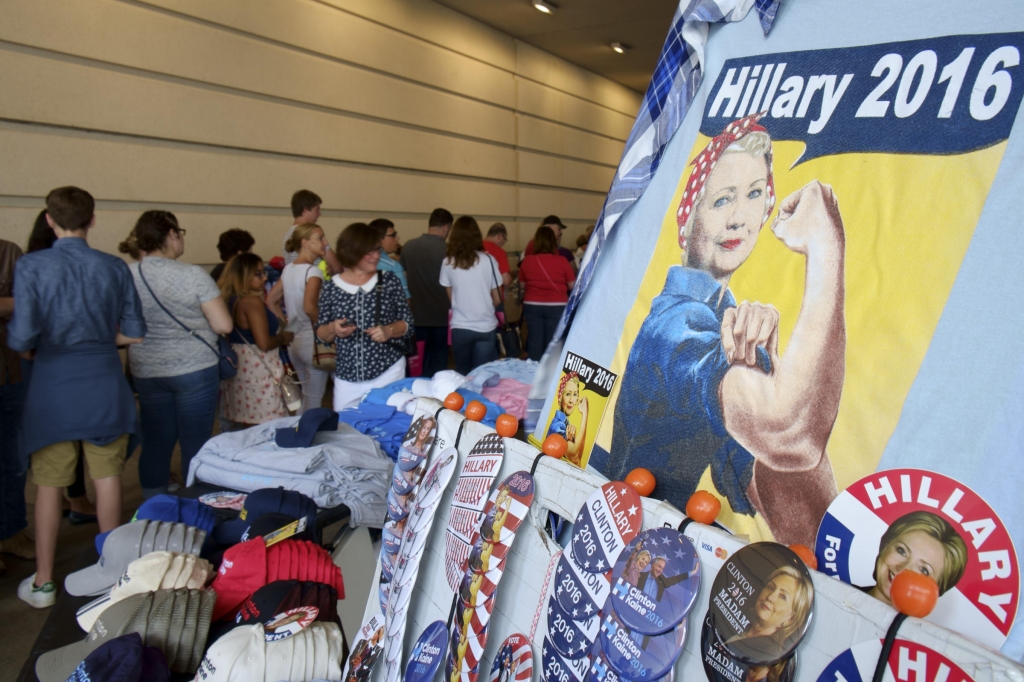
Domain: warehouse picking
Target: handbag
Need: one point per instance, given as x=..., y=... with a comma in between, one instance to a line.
x=509, y=342
x=288, y=385
x=405, y=344
x=227, y=359
x=325, y=358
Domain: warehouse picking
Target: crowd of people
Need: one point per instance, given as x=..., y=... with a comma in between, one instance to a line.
x=223, y=342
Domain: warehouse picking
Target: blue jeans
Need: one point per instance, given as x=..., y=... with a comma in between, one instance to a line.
x=180, y=408
x=472, y=349
x=12, y=477
x=435, y=349
x=541, y=321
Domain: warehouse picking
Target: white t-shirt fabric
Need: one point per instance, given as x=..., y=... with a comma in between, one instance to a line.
x=472, y=307
x=294, y=278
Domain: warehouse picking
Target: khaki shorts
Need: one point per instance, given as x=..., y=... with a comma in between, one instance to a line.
x=54, y=465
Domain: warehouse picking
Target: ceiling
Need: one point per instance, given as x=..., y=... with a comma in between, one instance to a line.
x=580, y=31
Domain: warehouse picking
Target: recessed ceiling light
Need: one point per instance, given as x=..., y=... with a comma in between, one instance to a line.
x=620, y=47
x=544, y=6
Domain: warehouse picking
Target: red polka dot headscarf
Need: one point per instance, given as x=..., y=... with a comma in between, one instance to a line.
x=705, y=163
x=566, y=378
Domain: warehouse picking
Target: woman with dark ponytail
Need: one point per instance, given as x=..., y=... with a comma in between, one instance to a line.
x=175, y=373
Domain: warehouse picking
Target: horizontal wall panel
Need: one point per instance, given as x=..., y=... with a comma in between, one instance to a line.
x=538, y=169
x=534, y=98
x=143, y=38
x=567, y=205
x=559, y=74
x=541, y=135
x=327, y=30
x=116, y=102
x=151, y=172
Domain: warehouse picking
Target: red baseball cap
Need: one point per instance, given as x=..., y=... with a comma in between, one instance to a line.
x=242, y=571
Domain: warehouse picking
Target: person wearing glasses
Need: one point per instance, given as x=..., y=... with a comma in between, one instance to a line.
x=252, y=396
x=389, y=247
x=175, y=374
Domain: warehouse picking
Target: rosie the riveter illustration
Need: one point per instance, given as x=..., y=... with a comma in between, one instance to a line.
x=704, y=384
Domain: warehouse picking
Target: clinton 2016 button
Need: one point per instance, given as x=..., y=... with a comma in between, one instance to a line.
x=636, y=656
x=857, y=664
x=602, y=671
x=655, y=581
x=610, y=518
x=398, y=505
x=404, y=481
x=761, y=603
x=579, y=593
x=721, y=667
x=572, y=639
x=923, y=521
x=514, y=660
x=427, y=653
x=555, y=668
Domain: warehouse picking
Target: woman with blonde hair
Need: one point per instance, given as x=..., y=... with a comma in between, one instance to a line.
x=570, y=389
x=252, y=396
x=779, y=617
x=302, y=280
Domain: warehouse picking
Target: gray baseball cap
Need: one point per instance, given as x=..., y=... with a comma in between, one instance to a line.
x=176, y=541
x=208, y=599
x=124, y=617
x=149, y=538
x=122, y=546
x=163, y=536
x=190, y=540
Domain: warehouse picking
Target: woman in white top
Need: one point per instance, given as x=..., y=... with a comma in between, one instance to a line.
x=302, y=280
x=470, y=275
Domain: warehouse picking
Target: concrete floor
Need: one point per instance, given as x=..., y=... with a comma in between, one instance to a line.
x=20, y=623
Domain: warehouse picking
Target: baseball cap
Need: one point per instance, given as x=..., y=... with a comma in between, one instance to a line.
x=301, y=435
x=174, y=509
x=268, y=523
x=123, y=659
x=552, y=220
x=280, y=596
x=146, y=574
x=279, y=658
x=291, y=503
x=243, y=570
x=306, y=561
x=239, y=655
x=182, y=654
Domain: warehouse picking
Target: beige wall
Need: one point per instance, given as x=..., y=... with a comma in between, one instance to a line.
x=219, y=110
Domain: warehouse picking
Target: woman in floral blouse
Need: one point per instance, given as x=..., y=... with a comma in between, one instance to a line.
x=369, y=354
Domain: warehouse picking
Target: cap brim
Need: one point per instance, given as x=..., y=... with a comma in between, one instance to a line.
x=59, y=664
x=230, y=532
x=88, y=614
x=91, y=581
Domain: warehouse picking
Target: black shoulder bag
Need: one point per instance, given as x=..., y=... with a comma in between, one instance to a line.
x=227, y=359
x=404, y=344
x=508, y=333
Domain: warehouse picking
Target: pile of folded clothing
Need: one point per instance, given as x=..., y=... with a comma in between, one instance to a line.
x=330, y=463
x=403, y=393
x=385, y=424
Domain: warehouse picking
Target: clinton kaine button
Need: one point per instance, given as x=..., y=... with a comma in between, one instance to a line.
x=761, y=603
x=907, y=661
x=925, y=522
x=427, y=653
x=555, y=668
x=514, y=660
x=655, y=581
x=610, y=518
x=580, y=594
x=572, y=639
x=602, y=671
x=636, y=656
x=721, y=667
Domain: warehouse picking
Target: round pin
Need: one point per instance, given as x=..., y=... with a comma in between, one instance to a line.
x=610, y=518
x=871, y=528
x=387, y=566
x=476, y=588
x=427, y=653
x=407, y=460
x=417, y=440
x=434, y=482
x=720, y=666
x=472, y=619
x=636, y=656
x=391, y=536
x=602, y=671
x=467, y=649
x=761, y=603
x=383, y=591
x=572, y=639
x=403, y=481
x=857, y=664
x=366, y=649
x=486, y=556
x=507, y=507
x=514, y=660
x=398, y=504
x=655, y=581
x=555, y=668
x=579, y=593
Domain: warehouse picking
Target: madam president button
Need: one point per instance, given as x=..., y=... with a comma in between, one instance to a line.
x=655, y=581
x=720, y=666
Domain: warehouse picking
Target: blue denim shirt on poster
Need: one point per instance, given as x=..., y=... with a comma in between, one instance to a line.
x=668, y=417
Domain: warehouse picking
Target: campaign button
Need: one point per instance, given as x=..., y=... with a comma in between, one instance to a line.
x=473, y=619
x=579, y=593
x=514, y=660
x=572, y=639
x=387, y=567
x=720, y=666
x=507, y=507
x=398, y=601
x=912, y=519
x=636, y=656
x=555, y=668
x=402, y=482
x=408, y=460
x=418, y=439
x=432, y=487
x=365, y=649
x=391, y=536
x=610, y=518
x=857, y=664
x=761, y=603
x=383, y=591
x=655, y=581
x=486, y=556
x=427, y=653
x=476, y=588
x=467, y=649
x=398, y=504
x=602, y=671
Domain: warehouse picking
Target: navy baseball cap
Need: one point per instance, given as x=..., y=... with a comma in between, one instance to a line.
x=123, y=659
x=171, y=509
x=288, y=503
x=276, y=598
x=301, y=435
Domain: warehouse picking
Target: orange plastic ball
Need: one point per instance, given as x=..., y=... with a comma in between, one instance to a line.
x=507, y=425
x=642, y=480
x=475, y=411
x=454, y=401
x=806, y=555
x=554, y=446
x=914, y=593
x=703, y=507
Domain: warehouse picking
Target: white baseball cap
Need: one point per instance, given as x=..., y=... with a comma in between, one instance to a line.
x=238, y=655
x=334, y=649
x=279, y=658
x=321, y=650
x=175, y=565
